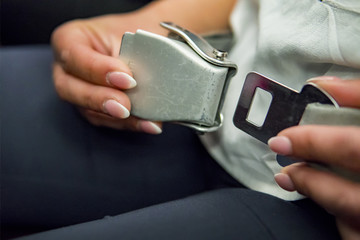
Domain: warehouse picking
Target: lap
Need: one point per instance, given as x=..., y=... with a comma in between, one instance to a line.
x=220, y=214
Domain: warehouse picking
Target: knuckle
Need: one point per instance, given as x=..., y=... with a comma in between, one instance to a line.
x=90, y=101
x=94, y=98
x=60, y=36
x=305, y=188
x=93, y=69
x=60, y=84
x=63, y=29
x=347, y=144
x=307, y=143
x=57, y=34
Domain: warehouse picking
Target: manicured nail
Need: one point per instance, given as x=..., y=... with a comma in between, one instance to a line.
x=120, y=80
x=323, y=78
x=284, y=181
x=115, y=109
x=150, y=127
x=281, y=145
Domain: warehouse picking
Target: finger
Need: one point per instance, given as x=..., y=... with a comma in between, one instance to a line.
x=87, y=64
x=339, y=196
x=345, y=92
x=349, y=228
x=84, y=54
x=325, y=144
x=131, y=123
x=86, y=95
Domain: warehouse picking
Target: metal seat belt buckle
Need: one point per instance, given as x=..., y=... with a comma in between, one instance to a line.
x=180, y=78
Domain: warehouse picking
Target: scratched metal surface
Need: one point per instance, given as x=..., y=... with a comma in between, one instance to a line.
x=174, y=83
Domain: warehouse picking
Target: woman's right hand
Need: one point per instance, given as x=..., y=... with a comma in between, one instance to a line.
x=330, y=145
x=88, y=74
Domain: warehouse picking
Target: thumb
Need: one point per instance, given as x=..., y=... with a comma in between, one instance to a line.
x=345, y=92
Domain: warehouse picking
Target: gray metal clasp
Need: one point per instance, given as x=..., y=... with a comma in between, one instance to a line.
x=181, y=78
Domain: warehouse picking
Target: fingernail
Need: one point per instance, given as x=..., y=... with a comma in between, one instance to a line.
x=323, y=78
x=120, y=80
x=281, y=145
x=150, y=127
x=284, y=181
x=115, y=109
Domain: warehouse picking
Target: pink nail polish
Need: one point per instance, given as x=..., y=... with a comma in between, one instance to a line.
x=281, y=145
x=284, y=181
x=150, y=127
x=115, y=109
x=120, y=80
x=324, y=78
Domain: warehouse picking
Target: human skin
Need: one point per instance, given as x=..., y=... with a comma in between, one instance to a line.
x=333, y=145
x=87, y=72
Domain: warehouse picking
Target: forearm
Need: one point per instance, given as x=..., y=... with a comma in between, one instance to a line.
x=199, y=16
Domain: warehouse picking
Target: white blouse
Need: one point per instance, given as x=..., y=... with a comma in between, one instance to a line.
x=288, y=41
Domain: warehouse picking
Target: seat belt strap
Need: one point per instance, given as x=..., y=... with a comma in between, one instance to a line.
x=324, y=114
